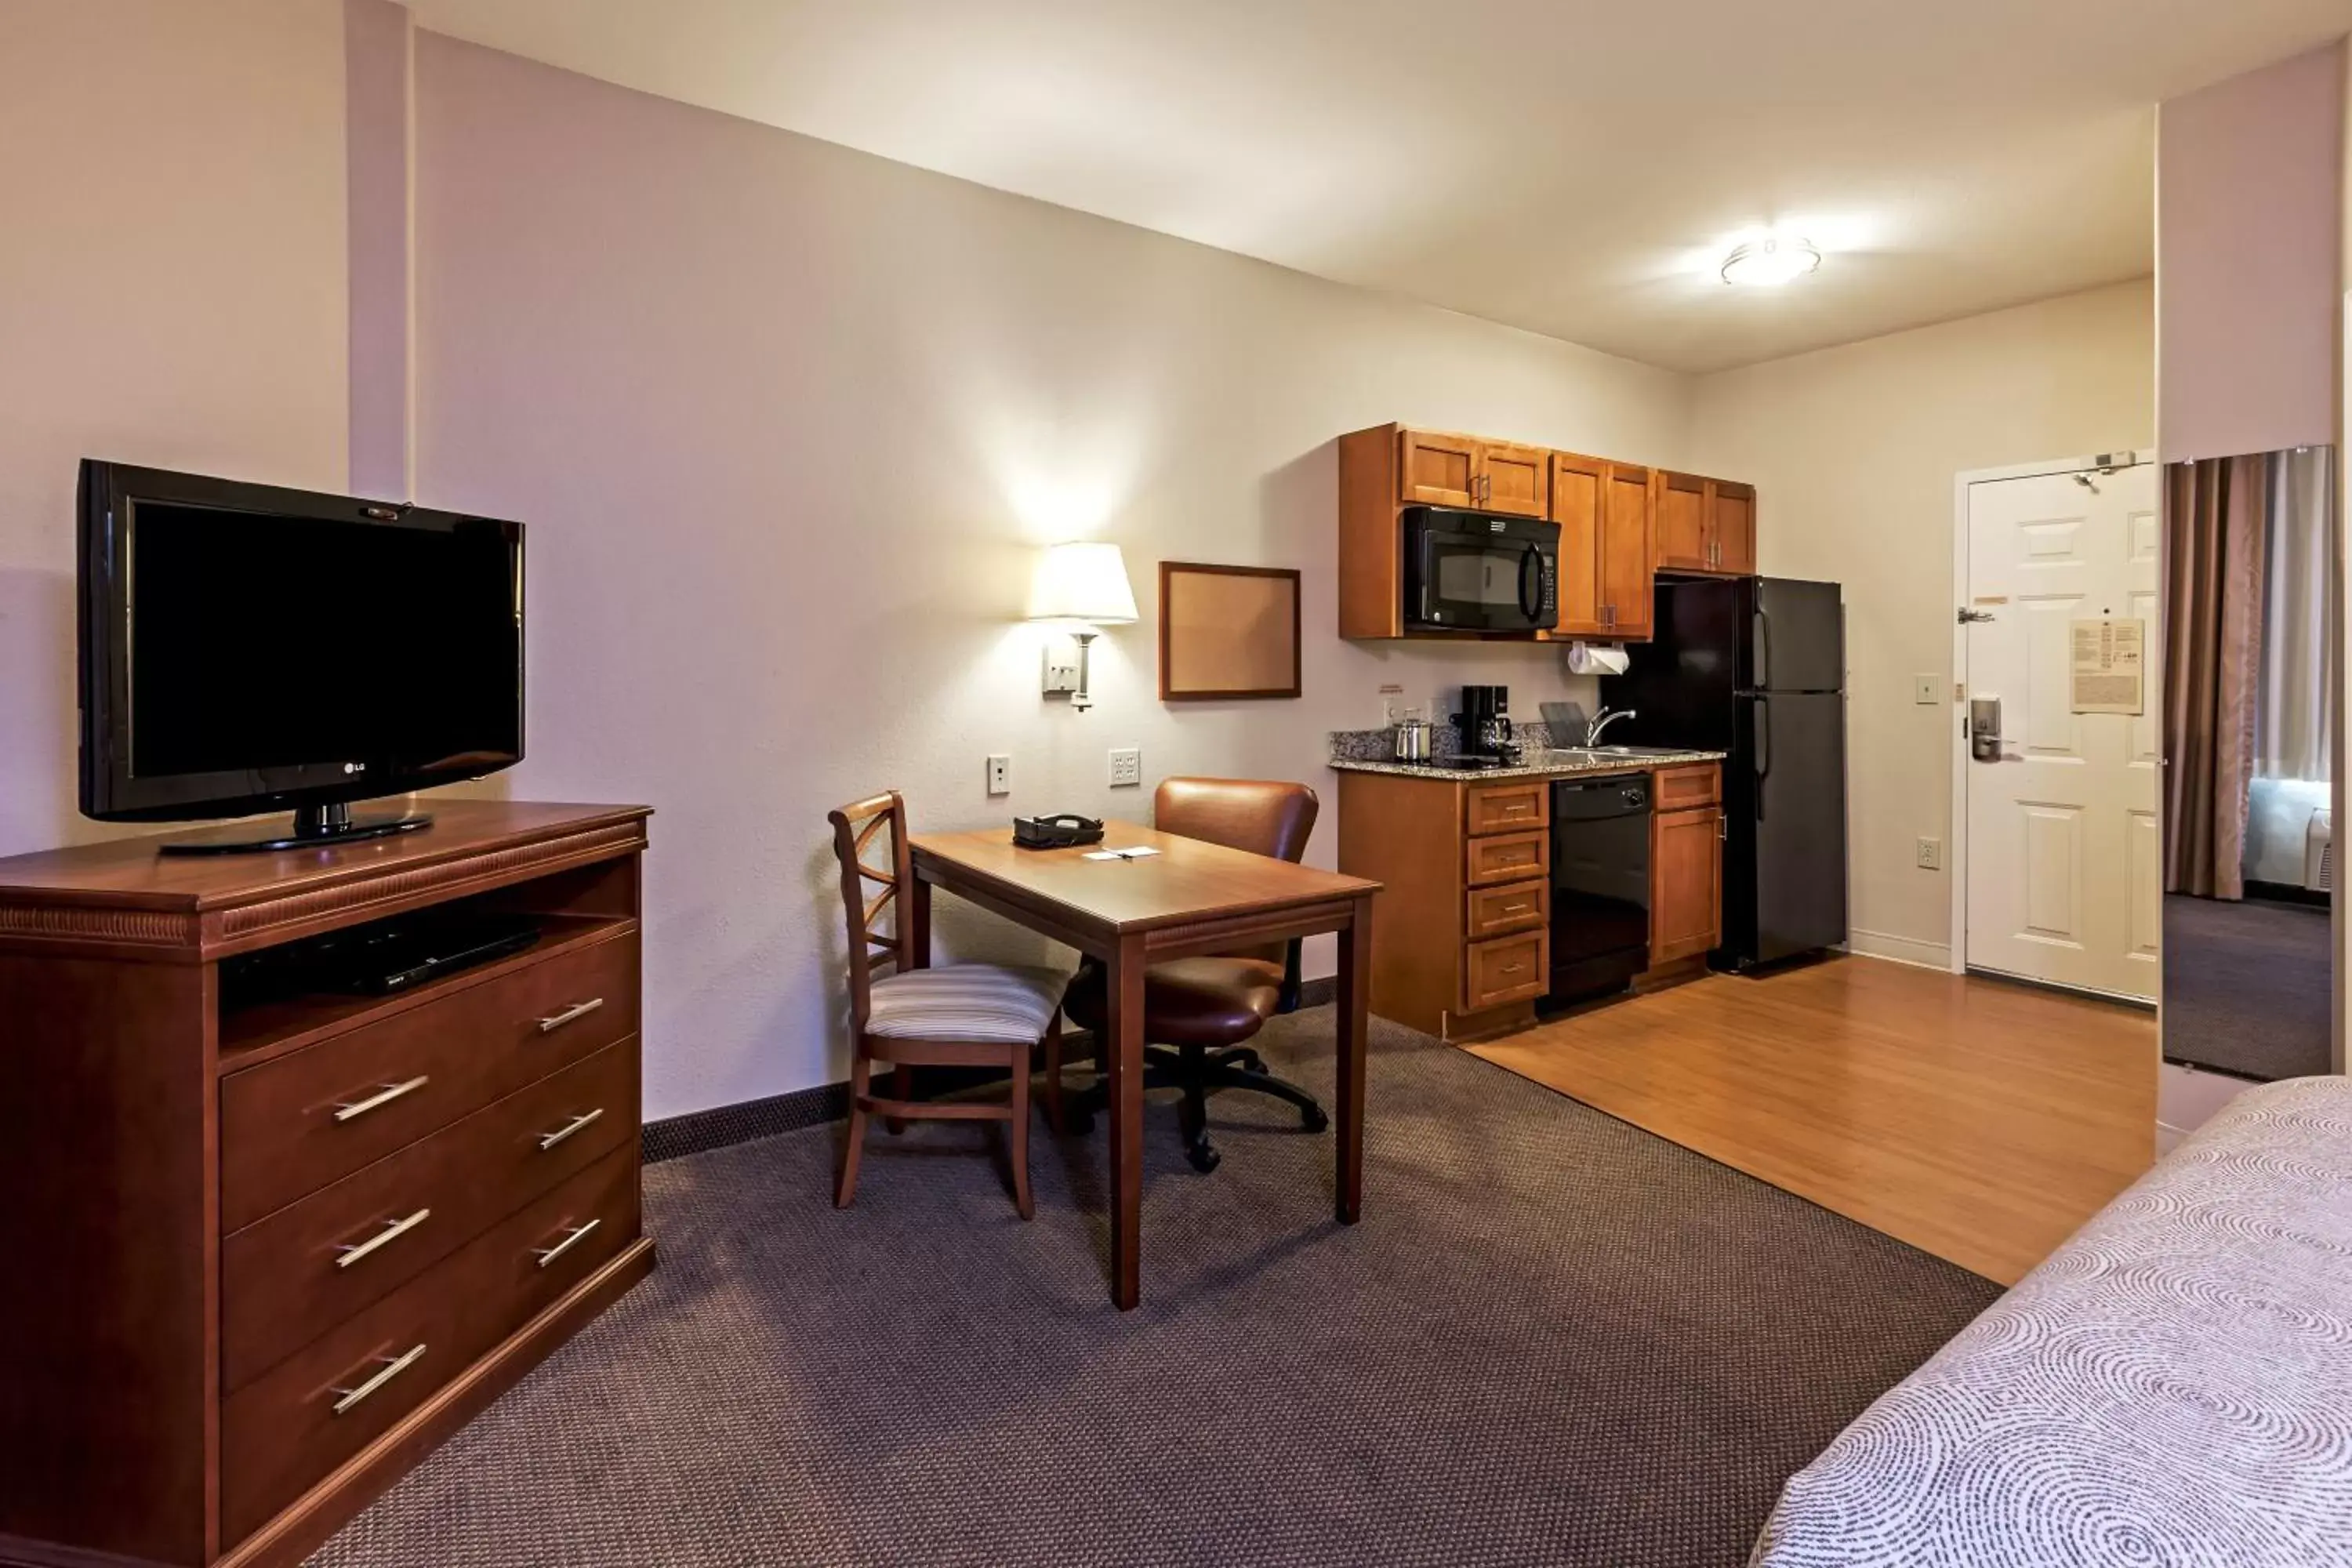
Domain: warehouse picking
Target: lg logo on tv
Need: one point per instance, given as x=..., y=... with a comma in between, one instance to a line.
x=354, y=767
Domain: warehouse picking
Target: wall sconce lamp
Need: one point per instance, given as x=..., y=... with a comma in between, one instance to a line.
x=1082, y=586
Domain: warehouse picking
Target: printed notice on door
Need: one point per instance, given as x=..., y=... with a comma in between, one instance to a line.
x=2108, y=660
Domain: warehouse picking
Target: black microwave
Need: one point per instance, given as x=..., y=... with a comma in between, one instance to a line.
x=1469, y=571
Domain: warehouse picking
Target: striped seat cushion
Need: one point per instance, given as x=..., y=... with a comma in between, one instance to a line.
x=967, y=1002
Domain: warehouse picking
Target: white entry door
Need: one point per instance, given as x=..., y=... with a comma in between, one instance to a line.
x=2065, y=865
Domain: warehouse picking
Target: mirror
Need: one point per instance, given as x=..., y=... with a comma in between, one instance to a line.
x=2250, y=736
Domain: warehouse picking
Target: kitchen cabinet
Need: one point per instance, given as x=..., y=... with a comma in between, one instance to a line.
x=1705, y=525
x=1604, y=510
x=1462, y=938
x=1685, y=864
x=1439, y=469
x=1621, y=523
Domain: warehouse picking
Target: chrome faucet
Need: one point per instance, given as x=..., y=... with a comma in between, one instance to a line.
x=1599, y=721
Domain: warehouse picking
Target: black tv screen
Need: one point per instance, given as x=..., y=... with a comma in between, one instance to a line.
x=247, y=648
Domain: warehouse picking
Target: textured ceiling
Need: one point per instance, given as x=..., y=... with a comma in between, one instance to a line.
x=1575, y=169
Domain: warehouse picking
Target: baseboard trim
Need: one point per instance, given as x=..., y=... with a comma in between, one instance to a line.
x=721, y=1126
x=1900, y=950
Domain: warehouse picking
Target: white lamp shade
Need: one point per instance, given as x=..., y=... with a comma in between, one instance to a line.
x=1082, y=582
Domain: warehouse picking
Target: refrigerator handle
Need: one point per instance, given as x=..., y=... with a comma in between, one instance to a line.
x=1762, y=750
x=1763, y=649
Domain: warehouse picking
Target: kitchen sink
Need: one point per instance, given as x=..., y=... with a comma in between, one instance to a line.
x=1617, y=754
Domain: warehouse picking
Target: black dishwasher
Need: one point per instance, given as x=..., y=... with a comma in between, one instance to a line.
x=1599, y=886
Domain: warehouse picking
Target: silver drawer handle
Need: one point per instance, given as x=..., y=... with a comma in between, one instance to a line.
x=548, y=1025
x=548, y=1255
x=551, y=1140
x=352, y=1252
x=382, y=1097
x=392, y=1367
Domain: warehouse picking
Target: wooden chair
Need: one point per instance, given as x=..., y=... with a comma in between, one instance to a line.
x=965, y=1014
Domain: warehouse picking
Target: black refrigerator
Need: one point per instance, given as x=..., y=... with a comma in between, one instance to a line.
x=1755, y=667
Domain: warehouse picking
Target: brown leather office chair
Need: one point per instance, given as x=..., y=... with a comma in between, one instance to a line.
x=1198, y=1011
x=964, y=1014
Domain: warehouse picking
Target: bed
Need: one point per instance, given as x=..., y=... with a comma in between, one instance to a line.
x=2172, y=1387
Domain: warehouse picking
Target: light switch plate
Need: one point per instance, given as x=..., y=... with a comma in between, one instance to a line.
x=1000, y=774
x=1126, y=765
x=1927, y=690
x=1931, y=854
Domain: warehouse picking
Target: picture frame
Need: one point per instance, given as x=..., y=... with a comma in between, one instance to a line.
x=1228, y=633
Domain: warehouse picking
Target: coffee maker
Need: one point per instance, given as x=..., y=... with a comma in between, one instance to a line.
x=1483, y=728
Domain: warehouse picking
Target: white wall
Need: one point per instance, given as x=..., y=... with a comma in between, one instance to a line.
x=1853, y=451
x=171, y=292
x=788, y=422
x=2250, y=231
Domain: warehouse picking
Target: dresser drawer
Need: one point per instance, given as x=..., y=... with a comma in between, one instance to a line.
x=1508, y=969
x=1678, y=789
x=1507, y=858
x=1497, y=911
x=281, y=1434
x=1508, y=807
x=291, y=1126
x=290, y=1278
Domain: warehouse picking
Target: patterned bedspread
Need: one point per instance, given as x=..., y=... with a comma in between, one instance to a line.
x=2173, y=1387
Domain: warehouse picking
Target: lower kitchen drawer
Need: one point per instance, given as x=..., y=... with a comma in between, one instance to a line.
x=288, y=1278
x=1505, y=857
x=1498, y=911
x=287, y=1430
x=1507, y=969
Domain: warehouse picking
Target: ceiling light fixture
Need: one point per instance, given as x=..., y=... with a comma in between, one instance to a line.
x=1764, y=263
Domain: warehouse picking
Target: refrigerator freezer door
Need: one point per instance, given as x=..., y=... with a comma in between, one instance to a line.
x=1784, y=871
x=1680, y=683
x=1793, y=635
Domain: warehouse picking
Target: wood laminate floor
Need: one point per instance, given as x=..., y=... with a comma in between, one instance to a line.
x=1977, y=1121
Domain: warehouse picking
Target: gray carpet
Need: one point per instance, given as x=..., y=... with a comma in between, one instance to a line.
x=2246, y=986
x=1554, y=1339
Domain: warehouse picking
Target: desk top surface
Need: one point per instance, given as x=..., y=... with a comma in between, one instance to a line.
x=1189, y=880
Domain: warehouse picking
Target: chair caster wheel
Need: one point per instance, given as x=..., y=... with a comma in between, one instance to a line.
x=1312, y=1121
x=1203, y=1156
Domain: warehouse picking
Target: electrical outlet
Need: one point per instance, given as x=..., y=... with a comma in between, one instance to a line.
x=1391, y=704
x=1126, y=765
x=1927, y=690
x=1000, y=774
x=1931, y=854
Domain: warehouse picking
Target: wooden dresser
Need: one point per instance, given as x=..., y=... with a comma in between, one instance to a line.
x=268, y=1246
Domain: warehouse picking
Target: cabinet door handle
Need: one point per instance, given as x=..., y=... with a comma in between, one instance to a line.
x=352, y=1252
x=392, y=1367
x=381, y=1098
x=578, y=1010
x=548, y=1255
x=550, y=1140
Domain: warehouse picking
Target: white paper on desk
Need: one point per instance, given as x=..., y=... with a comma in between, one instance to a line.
x=1137, y=853
x=1104, y=855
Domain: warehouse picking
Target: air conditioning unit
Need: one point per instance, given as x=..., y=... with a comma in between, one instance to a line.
x=2319, y=851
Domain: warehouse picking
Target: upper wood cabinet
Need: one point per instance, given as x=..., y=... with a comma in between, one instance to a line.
x=1731, y=514
x=1620, y=524
x=1705, y=525
x=1604, y=510
x=1438, y=470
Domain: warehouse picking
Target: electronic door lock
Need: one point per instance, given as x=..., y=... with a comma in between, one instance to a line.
x=1984, y=729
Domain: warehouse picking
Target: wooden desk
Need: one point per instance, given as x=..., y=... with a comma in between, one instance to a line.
x=1193, y=898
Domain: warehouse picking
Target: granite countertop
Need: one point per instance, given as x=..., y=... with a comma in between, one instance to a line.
x=1533, y=764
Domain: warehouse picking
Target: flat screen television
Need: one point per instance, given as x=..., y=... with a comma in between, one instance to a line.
x=248, y=649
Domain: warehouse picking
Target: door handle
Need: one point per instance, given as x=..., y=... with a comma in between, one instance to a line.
x=1763, y=723
x=1763, y=649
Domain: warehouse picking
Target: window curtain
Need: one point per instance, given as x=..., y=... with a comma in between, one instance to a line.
x=2295, y=722
x=2215, y=519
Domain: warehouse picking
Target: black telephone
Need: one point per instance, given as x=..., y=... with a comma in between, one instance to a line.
x=1060, y=831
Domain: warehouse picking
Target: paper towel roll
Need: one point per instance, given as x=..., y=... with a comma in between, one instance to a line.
x=1584, y=658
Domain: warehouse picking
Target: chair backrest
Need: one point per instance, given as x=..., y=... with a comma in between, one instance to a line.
x=855, y=828
x=1266, y=816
